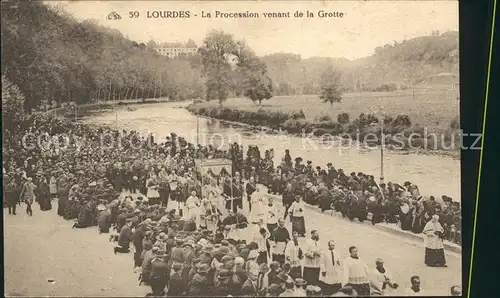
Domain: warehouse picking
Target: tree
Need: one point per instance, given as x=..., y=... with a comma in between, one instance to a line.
x=152, y=44
x=216, y=52
x=330, y=86
x=51, y=56
x=191, y=44
x=255, y=81
x=12, y=104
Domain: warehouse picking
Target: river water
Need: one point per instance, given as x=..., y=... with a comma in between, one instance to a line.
x=434, y=174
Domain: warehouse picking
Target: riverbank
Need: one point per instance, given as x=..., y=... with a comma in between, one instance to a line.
x=398, y=140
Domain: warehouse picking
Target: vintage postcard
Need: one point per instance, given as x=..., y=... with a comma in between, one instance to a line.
x=243, y=148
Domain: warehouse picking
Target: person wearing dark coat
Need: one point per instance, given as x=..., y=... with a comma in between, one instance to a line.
x=288, y=198
x=237, y=195
x=137, y=238
x=176, y=287
x=222, y=285
x=11, y=194
x=250, y=189
x=200, y=285
x=249, y=287
x=121, y=220
x=164, y=191
x=43, y=195
x=84, y=216
x=159, y=274
x=124, y=239
x=103, y=219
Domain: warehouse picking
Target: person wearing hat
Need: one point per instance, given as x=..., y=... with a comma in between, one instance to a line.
x=189, y=256
x=251, y=265
x=433, y=242
x=177, y=253
x=176, y=286
x=159, y=273
x=206, y=254
x=289, y=289
x=239, y=276
x=199, y=284
x=222, y=283
x=11, y=194
x=300, y=286
x=274, y=290
x=27, y=195
x=194, y=268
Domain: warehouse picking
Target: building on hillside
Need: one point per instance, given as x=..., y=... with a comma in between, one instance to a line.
x=172, y=52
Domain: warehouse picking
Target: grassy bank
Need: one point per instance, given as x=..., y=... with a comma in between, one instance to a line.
x=426, y=121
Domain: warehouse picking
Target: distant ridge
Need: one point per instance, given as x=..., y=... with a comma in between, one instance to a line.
x=420, y=60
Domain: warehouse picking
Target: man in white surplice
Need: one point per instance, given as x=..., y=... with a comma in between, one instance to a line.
x=193, y=208
x=330, y=276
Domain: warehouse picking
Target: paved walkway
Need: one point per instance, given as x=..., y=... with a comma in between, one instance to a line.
x=82, y=262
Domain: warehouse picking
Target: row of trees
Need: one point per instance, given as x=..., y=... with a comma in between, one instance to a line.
x=51, y=56
x=54, y=59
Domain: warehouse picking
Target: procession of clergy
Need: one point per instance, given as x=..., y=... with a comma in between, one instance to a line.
x=202, y=245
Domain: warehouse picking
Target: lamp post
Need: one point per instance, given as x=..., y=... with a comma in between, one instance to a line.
x=382, y=145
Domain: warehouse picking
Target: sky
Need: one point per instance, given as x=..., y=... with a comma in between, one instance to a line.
x=364, y=25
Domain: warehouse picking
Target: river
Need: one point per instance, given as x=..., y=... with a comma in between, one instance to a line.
x=434, y=174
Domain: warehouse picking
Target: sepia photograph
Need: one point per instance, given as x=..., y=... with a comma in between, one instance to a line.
x=231, y=148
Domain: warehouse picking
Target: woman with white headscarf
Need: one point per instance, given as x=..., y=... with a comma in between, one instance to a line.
x=433, y=242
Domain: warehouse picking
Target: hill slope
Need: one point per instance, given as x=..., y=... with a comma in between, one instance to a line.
x=405, y=63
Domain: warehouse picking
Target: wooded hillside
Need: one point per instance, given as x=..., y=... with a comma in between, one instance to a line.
x=52, y=57
x=401, y=64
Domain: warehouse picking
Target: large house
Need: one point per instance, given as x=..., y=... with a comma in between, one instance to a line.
x=172, y=52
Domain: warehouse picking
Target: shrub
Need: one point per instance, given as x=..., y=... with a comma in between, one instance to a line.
x=343, y=118
x=298, y=115
x=402, y=120
x=325, y=118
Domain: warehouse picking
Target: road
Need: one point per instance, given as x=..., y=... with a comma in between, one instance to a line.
x=82, y=262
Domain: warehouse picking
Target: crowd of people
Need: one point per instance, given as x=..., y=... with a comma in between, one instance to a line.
x=195, y=240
